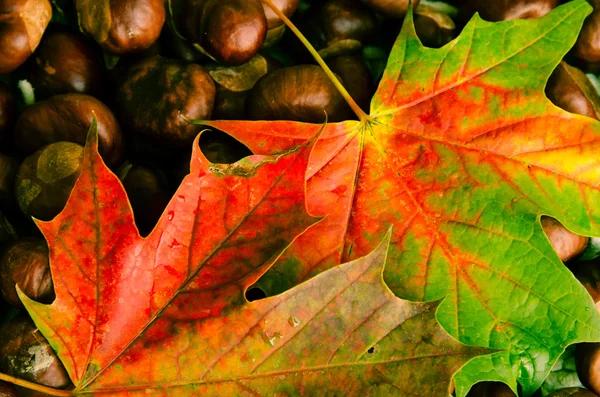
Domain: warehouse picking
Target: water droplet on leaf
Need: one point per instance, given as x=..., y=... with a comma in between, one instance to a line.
x=294, y=321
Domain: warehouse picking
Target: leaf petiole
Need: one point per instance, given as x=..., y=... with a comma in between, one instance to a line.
x=35, y=386
x=362, y=116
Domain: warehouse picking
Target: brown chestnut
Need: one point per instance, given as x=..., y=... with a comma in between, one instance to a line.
x=587, y=362
x=299, y=93
x=8, y=111
x=588, y=274
x=7, y=232
x=122, y=26
x=8, y=172
x=234, y=83
x=433, y=27
x=26, y=263
x=65, y=62
x=45, y=179
x=147, y=193
x=491, y=389
x=288, y=7
x=572, y=392
x=232, y=31
x=566, y=243
x=504, y=10
x=68, y=117
x=337, y=27
x=221, y=148
x=356, y=78
x=22, y=24
x=7, y=390
x=391, y=8
x=587, y=46
x=26, y=354
x=156, y=96
x=570, y=89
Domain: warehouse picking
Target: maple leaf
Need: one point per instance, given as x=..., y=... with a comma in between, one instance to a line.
x=166, y=315
x=462, y=152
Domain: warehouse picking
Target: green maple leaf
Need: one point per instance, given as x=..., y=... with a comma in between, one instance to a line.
x=462, y=153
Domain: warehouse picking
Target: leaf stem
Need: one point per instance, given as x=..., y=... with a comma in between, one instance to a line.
x=34, y=386
x=362, y=116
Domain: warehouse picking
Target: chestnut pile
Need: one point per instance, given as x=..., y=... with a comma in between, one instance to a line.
x=141, y=68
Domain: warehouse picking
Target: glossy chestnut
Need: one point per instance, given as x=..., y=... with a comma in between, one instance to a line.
x=22, y=24
x=26, y=354
x=299, y=93
x=174, y=90
x=566, y=244
x=45, y=179
x=68, y=117
x=65, y=62
x=232, y=31
x=122, y=26
x=26, y=263
x=391, y=8
x=569, y=88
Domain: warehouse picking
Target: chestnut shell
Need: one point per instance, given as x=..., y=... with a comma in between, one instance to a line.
x=155, y=99
x=22, y=24
x=65, y=62
x=25, y=354
x=122, y=26
x=68, y=117
x=45, y=179
x=26, y=263
x=299, y=93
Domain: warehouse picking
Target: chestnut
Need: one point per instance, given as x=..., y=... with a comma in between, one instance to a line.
x=147, y=193
x=587, y=46
x=7, y=390
x=26, y=263
x=587, y=362
x=68, y=117
x=65, y=62
x=26, y=354
x=156, y=97
x=288, y=7
x=504, y=10
x=490, y=389
x=588, y=274
x=299, y=93
x=8, y=111
x=8, y=172
x=22, y=24
x=122, y=26
x=337, y=27
x=391, y=8
x=232, y=31
x=7, y=232
x=572, y=392
x=45, y=179
x=570, y=89
x=356, y=78
x=234, y=83
x=434, y=28
x=221, y=148
x=566, y=243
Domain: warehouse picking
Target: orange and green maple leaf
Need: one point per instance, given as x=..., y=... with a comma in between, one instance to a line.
x=461, y=153
x=166, y=315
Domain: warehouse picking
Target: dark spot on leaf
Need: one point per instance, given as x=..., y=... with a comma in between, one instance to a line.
x=371, y=350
